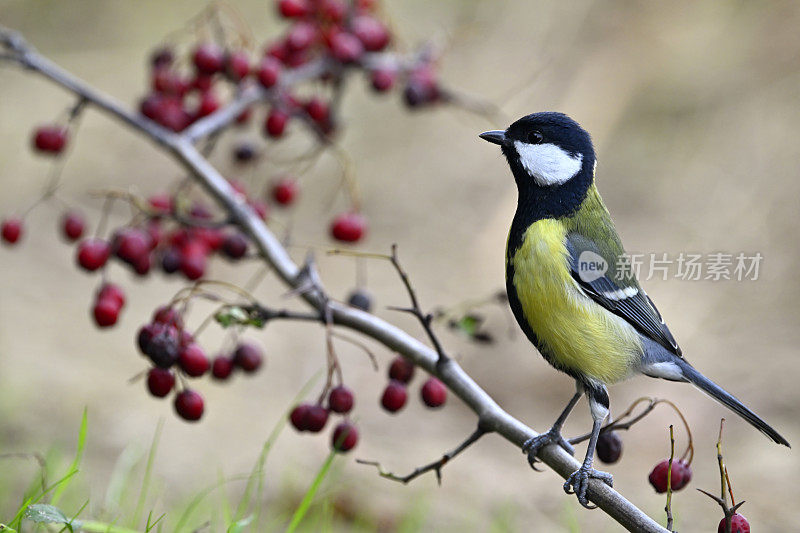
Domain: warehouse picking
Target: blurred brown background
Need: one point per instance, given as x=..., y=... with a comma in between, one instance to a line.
x=693, y=107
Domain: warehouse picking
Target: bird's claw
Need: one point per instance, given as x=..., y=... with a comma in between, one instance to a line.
x=534, y=445
x=578, y=482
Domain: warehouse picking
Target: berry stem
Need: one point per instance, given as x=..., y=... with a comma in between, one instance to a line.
x=668, y=507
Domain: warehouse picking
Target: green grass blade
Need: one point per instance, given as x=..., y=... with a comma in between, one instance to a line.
x=305, y=505
x=198, y=499
x=256, y=479
x=73, y=468
x=148, y=471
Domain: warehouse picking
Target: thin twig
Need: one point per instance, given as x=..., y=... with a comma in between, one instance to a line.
x=435, y=466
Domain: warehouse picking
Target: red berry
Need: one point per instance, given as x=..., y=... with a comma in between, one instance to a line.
x=348, y=227
x=298, y=416
x=202, y=82
x=189, y=405
x=160, y=381
x=345, y=437
x=248, y=357
x=285, y=190
x=106, y=312
x=50, y=139
x=279, y=50
x=394, y=396
x=434, y=393
x=340, y=399
x=301, y=36
x=333, y=10
x=112, y=291
x=208, y=58
x=609, y=447
x=211, y=239
x=235, y=245
x=244, y=117
x=11, y=230
x=161, y=203
x=276, y=122
x=401, y=369
x=294, y=9
x=316, y=418
x=168, y=315
x=193, y=360
x=681, y=475
x=383, y=79
x=346, y=47
x=739, y=524
x=238, y=65
x=269, y=70
x=222, y=367
x=208, y=104
x=318, y=110
x=166, y=81
x=72, y=224
x=371, y=32
x=131, y=244
x=193, y=260
x=93, y=254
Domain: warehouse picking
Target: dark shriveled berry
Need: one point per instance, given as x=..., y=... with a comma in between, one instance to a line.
x=160, y=382
x=609, y=447
x=235, y=246
x=345, y=437
x=360, y=299
x=341, y=399
x=161, y=343
x=189, y=405
x=248, y=357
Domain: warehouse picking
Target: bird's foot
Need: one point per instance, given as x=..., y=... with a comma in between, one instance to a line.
x=578, y=482
x=534, y=445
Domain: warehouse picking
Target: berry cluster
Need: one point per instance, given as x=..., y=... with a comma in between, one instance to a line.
x=177, y=233
x=173, y=351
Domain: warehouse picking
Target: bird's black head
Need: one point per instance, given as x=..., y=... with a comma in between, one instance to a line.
x=552, y=159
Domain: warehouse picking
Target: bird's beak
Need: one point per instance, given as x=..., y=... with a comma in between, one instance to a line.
x=494, y=136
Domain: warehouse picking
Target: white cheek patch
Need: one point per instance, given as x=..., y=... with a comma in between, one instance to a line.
x=547, y=163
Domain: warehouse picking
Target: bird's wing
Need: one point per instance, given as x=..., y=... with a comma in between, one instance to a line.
x=620, y=294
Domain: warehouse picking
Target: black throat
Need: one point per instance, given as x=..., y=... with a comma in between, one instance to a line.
x=535, y=202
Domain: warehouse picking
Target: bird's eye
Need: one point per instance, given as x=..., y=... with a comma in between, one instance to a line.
x=535, y=137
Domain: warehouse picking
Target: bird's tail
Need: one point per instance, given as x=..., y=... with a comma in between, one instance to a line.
x=728, y=400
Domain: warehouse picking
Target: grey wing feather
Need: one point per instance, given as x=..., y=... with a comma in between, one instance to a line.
x=627, y=301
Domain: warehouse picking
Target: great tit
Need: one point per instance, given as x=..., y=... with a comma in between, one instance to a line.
x=568, y=290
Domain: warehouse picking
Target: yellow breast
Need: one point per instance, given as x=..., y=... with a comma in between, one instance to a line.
x=579, y=334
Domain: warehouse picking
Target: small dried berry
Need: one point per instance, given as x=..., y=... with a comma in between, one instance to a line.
x=609, y=447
